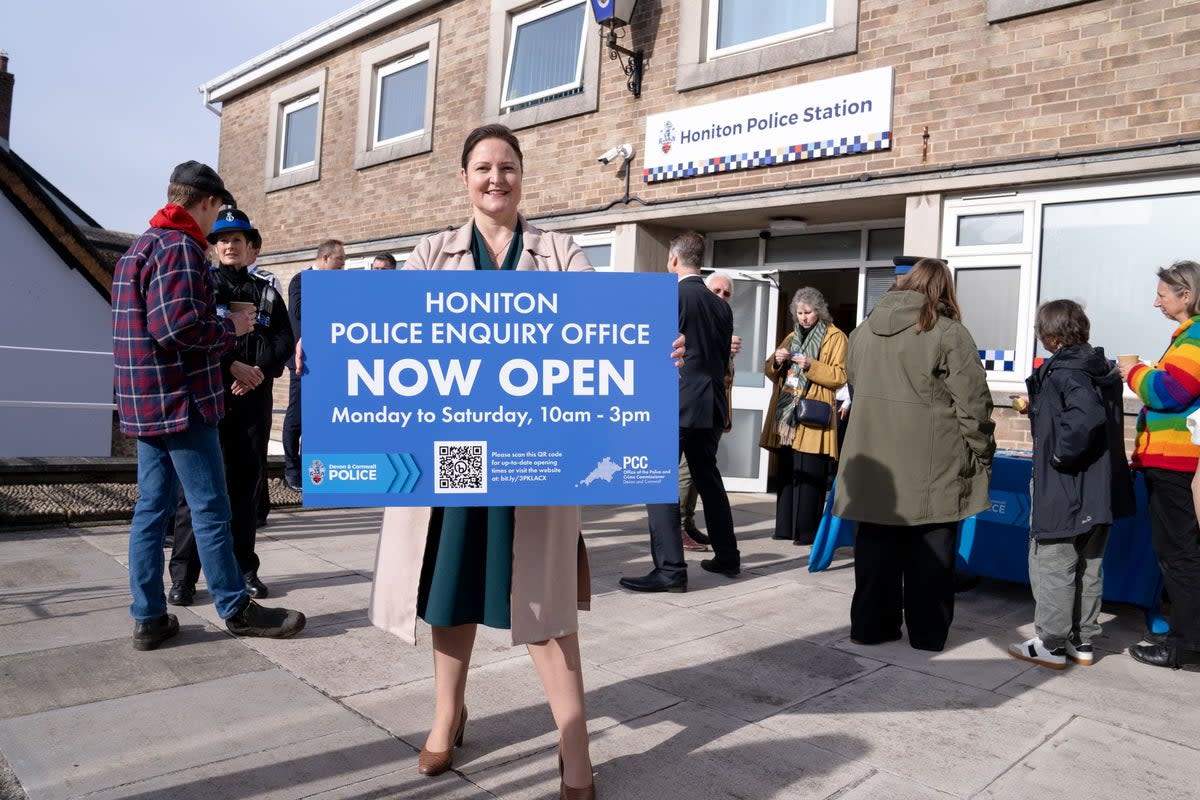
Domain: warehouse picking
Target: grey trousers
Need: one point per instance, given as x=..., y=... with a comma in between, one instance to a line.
x=1067, y=583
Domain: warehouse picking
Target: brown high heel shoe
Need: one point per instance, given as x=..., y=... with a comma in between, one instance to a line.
x=570, y=792
x=435, y=763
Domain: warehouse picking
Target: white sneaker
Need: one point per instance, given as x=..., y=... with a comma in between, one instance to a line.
x=1033, y=650
x=1082, y=653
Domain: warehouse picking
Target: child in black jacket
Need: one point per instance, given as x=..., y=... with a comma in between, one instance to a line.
x=1081, y=483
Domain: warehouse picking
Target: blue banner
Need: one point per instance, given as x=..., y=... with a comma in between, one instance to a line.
x=465, y=388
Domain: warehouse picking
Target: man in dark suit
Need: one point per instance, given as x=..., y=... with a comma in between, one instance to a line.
x=707, y=323
x=331, y=254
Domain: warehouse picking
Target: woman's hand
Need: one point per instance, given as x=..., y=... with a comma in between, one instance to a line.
x=804, y=362
x=246, y=375
x=677, y=350
x=782, y=355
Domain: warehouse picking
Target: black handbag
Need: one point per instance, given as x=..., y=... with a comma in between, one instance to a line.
x=813, y=413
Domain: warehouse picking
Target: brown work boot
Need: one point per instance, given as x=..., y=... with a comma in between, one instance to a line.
x=691, y=544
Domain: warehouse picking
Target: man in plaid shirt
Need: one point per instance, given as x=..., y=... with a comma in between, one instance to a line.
x=167, y=343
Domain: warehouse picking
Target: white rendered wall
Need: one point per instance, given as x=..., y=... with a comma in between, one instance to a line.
x=55, y=350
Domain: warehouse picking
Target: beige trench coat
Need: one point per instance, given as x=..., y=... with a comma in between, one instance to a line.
x=551, y=578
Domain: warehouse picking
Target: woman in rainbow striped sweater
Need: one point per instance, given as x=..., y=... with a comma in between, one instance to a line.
x=1167, y=457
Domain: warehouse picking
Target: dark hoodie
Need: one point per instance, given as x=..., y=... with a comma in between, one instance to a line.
x=1080, y=474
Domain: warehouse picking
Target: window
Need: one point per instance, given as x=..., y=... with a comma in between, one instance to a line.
x=598, y=247
x=735, y=25
x=833, y=246
x=545, y=53
x=884, y=244
x=989, y=298
x=1000, y=10
x=294, y=130
x=990, y=229
x=396, y=90
x=299, y=147
x=543, y=62
x=732, y=39
x=1104, y=254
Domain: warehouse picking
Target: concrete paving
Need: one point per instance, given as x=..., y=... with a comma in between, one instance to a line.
x=745, y=688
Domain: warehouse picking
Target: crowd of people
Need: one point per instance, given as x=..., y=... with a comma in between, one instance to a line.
x=197, y=345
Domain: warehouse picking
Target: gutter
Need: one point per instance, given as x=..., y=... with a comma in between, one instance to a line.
x=350, y=25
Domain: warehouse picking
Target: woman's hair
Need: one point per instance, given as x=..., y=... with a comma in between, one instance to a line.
x=931, y=278
x=1184, y=276
x=1062, y=323
x=494, y=131
x=808, y=296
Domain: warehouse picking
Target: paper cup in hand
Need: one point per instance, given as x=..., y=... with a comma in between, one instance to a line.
x=1127, y=360
x=240, y=305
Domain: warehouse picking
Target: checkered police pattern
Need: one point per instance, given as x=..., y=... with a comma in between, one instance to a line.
x=847, y=145
x=998, y=360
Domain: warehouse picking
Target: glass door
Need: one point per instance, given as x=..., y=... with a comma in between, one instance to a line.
x=755, y=304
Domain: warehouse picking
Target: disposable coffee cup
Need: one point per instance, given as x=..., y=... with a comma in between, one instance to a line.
x=241, y=305
x=1127, y=360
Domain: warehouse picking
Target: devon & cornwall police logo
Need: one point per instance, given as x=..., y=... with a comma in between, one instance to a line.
x=316, y=472
x=667, y=137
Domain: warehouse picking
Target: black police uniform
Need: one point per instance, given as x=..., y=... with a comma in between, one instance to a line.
x=247, y=422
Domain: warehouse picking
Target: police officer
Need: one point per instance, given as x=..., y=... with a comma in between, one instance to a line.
x=249, y=370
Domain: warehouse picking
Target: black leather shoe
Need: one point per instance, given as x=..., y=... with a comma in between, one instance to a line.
x=1164, y=655
x=269, y=623
x=182, y=594
x=149, y=635
x=728, y=570
x=254, y=587
x=654, y=583
x=698, y=536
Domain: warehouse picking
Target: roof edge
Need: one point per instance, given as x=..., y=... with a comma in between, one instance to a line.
x=353, y=23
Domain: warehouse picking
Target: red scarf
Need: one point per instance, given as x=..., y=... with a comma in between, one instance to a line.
x=177, y=218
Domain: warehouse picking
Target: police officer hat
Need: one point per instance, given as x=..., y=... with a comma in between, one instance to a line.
x=232, y=220
x=905, y=263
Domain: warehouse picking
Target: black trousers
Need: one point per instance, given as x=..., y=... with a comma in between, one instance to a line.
x=291, y=433
x=243, y=432
x=263, y=508
x=800, y=498
x=1176, y=537
x=666, y=547
x=903, y=572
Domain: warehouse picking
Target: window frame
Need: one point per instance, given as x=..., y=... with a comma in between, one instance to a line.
x=526, y=17
x=373, y=66
x=714, y=10
x=287, y=99
x=1002, y=10
x=500, y=51
x=700, y=65
x=598, y=238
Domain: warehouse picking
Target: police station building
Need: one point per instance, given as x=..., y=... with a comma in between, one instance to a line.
x=1046, y=148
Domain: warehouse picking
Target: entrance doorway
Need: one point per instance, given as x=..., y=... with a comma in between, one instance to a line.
x=839, y=287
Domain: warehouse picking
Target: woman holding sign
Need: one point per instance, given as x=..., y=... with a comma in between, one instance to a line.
x=519, y=568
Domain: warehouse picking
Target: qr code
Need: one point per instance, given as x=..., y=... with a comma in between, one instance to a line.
x=459, y=467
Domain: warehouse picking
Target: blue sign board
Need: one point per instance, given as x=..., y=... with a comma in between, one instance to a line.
x=466, y=388
x=603, y=10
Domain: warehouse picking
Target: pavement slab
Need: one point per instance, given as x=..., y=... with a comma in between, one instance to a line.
x=42, y=680
x=299, y=770
x=747, y=673
x=36, y=627
x=918, y=725
x=508, y=716
x=689, y=751
x=1118, y=690
x=1094, y=759
x=73, y=751
x=791, y=608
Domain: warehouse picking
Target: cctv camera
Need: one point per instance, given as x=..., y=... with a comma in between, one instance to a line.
x=625, y=151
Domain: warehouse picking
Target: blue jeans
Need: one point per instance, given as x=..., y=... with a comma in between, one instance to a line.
x=191, y=458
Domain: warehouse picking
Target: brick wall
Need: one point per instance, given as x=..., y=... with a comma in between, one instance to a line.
x=1105, y=74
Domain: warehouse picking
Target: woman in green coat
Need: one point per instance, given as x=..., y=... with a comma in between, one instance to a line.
x=917, y=457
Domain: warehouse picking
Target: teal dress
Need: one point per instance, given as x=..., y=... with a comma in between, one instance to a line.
x=466, y=576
